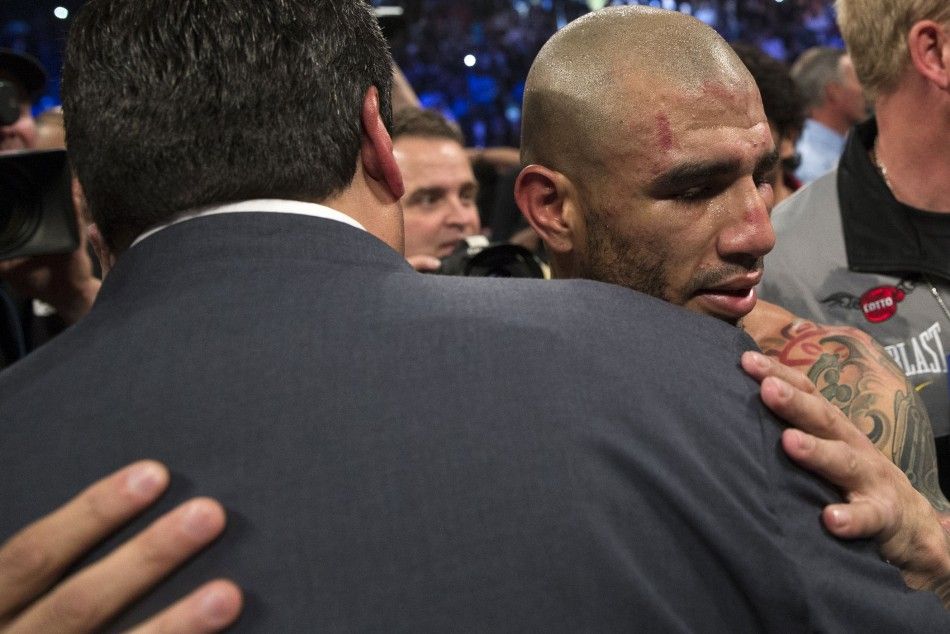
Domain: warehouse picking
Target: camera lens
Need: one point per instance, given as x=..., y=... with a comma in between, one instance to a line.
x=504, y=260
x=17, y=222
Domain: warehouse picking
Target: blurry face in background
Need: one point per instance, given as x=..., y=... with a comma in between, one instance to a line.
x=439, y=205
x=50, y=134
x=788, y=161
x=21, y=134
x=849, y=94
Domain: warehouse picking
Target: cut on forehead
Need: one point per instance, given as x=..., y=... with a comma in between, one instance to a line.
x=607, y=64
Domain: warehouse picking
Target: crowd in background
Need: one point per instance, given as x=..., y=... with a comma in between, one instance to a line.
x=434, y=39
x=502, y=37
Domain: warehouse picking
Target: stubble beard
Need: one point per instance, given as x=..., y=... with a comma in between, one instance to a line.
x=616, y=259
x=643, y=265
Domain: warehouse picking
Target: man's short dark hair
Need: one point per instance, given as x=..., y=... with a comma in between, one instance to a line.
x=781, y=100
x=176, y=104
x=412, y=121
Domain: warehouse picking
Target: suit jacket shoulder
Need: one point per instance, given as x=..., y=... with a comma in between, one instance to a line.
x=399, y=451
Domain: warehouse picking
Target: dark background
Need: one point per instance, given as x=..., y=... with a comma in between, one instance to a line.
x=502, y=36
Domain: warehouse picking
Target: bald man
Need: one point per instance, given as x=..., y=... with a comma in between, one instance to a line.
x=648, y=157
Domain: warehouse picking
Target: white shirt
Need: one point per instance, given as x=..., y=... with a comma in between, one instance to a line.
x=263, y=205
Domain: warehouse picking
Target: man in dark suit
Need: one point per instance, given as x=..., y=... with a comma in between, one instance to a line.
x=396, y=451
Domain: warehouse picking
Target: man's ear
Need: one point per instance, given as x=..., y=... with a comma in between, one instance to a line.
x=929, y=44
x=542, y=195
x=101, y=247
x=376, y=150
x=89, y=229
x=832, y=92
x=78, y=196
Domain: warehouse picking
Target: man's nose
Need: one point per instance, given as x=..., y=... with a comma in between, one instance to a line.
x=463, y=214
x=749, y=232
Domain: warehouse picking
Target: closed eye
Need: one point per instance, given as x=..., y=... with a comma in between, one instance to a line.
x=699, y=192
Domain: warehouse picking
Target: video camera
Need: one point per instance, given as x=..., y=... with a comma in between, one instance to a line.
x=36, y=209
x=475, y=257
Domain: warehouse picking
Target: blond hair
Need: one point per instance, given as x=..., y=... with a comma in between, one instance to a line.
x=876, y=34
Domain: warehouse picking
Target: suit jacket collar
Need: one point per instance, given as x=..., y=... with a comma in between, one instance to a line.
x=243, y=239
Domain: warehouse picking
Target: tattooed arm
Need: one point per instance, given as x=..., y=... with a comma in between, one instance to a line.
x=880, y=502
x=855, y=374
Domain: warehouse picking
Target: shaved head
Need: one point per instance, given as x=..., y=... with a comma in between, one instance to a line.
x=601, y=69
x=647, y=158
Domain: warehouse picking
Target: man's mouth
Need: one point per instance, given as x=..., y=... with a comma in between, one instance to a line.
x=731, y=300
x=448, y=248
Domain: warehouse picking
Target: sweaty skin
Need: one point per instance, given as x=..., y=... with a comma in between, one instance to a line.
x=856, y=375
x=658, y=163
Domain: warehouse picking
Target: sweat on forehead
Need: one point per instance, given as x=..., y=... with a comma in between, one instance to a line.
x=598, y=69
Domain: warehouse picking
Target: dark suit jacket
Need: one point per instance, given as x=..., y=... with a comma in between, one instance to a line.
x=401, y=452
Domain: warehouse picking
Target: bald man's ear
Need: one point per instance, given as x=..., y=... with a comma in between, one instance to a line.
x=929, y=44
x=544, y=197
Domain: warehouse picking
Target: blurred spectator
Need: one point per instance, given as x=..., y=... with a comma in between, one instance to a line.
x=50, y=132
x=835, y=101
x=27, y=78
x=39, y=295
x=403, y=94
x=439, y=207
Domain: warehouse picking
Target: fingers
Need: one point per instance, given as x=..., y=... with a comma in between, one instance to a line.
x=870, y=482
x=760, y=366
x=37, y=556
x=856, y=520
x=91, y=597
x=424, y=263
x=809, y=412
x=831, y=460
x=210, y=608
x=8, y=265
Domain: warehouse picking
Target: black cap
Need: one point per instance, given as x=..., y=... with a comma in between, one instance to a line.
x=26, y=69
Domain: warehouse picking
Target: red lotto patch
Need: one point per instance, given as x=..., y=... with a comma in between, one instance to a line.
x=880, y=304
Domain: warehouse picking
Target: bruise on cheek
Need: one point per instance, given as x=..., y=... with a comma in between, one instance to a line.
x=664, y=133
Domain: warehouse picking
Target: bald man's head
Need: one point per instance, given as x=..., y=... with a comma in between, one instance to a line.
x=602, y=69
x=647, y=156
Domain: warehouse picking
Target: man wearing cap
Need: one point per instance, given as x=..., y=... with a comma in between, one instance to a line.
x=25, y=78
x=64, y=282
